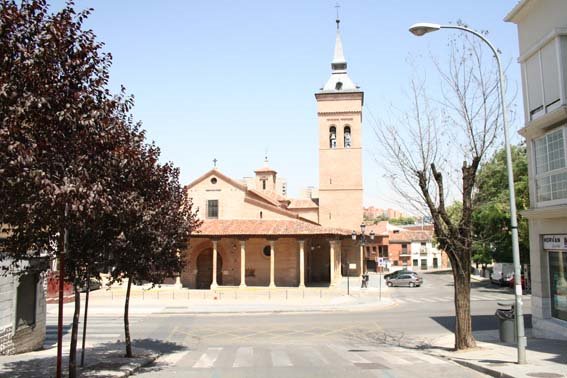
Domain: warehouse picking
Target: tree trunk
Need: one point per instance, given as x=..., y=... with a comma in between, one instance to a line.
x=127, y=322
x=85, y=320
x=74, y=332
x=463, y=325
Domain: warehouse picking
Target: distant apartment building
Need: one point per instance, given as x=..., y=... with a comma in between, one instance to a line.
x=399, y=247
x=542, y=35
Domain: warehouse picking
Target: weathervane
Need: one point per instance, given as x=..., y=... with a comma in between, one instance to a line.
x=338, y=19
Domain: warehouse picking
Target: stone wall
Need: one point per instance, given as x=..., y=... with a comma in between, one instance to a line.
x=25, y=338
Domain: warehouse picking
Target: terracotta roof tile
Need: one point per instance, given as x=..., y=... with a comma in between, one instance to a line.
x=409, y=236
x=380, y=228
x=256, y=227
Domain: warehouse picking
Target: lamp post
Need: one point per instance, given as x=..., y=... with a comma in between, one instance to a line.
x=420, y=29
x=362, y=244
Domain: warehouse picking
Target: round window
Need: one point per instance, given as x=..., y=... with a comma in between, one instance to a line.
x=267, y=251
x=214, y=180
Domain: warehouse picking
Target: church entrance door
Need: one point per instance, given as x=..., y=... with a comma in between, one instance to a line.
x=205, y=269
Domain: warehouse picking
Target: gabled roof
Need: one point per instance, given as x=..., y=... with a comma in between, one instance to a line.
x=411, y=236
x=250, y=228
x=215, y=172
x=380, y=228
x=302, y=203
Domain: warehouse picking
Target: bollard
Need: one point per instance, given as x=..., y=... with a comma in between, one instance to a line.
x=320, y=293
x=143, y=294
x=158, y=295
x=173, y=295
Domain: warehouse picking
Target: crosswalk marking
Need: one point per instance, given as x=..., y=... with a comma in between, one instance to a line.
x=173, y=358
x=208, y=358
x=389, y=358
x=432, y=360
x=351, y=357
x=314, y=357
x=244, y=357
x=280, y=358
x=499, y=297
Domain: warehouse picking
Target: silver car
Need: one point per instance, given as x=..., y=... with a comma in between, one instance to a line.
x=411, y=280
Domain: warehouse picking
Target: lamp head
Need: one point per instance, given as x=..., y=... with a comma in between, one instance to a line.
x=362, y=227
x=353, y=235
x=372, y=234
x=422, y=28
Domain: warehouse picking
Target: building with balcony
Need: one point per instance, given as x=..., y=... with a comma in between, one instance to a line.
x=542, y=35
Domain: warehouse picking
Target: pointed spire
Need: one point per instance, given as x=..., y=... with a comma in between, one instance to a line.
x=339, y=80
x=339, y=61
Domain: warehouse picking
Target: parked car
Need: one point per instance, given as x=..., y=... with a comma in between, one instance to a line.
x=94, y=285
x=398, y=272
x=501, y=273
x=405, y=279
x=510, y=281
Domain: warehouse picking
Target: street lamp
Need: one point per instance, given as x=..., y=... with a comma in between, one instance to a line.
x=362, y=244
x=423, y=28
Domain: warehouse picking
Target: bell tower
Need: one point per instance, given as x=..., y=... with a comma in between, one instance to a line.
x=339, y=111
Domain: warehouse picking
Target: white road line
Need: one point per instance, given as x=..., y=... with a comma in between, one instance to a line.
x=80, y=335
x=208, y=358
x=314, y=356
x=173, y=358
x=351, y=357
x=429, y=299
x=389, y=359
x=244, y=357
x=414, y=300
x=280, y=358
x=427, y=358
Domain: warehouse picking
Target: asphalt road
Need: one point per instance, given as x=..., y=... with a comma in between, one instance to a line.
x=384, y=343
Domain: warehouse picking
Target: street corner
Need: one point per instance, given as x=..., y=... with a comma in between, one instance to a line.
x=115, y=364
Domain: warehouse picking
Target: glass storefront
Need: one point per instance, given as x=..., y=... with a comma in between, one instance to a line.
x=558, y=284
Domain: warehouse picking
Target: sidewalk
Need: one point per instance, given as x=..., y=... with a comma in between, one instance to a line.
x=228, y=300
x=104, y=360
x=545, y=358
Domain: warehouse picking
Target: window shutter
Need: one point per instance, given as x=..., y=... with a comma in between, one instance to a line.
x=550, y=73
x=533, y=73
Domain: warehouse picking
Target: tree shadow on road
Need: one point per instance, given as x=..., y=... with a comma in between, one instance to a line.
x=108, y=357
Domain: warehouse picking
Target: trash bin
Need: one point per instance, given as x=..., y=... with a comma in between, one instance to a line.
x=506, y=322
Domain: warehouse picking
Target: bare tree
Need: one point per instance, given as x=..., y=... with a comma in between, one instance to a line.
x=423, y=143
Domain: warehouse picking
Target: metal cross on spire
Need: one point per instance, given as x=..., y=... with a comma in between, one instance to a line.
x=215, y=162
x=338, y=19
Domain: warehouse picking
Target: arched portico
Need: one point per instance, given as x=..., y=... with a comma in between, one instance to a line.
x=204, y=264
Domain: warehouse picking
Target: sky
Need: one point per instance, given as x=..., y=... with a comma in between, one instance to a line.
x=234, y=80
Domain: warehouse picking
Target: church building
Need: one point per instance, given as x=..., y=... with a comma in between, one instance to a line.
x=254, y=235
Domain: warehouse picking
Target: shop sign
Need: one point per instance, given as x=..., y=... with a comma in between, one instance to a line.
x=556, y=242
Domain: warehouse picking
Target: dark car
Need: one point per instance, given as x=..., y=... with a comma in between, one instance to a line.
x=398, y=272
x=94, y=285
x=405, y=279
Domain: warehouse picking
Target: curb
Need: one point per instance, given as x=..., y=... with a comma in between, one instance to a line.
x=481, y=369
x=125, y=370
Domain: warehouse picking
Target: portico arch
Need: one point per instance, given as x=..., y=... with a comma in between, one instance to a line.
x=205, y=269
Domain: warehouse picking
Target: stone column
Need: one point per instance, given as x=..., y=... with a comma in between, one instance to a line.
x=332, y=245
x=272, y=262
x=339, y=259
x=214, y=284
x=178, y=282
x=242, y=263
x=301, y=263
